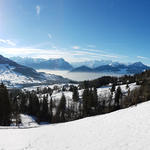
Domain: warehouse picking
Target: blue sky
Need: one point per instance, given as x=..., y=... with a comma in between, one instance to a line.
x=76, y=30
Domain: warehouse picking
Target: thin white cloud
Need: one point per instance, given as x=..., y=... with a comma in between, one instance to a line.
x=142, y=57
x=93, y=50
x=49, y=36
x=70, y=55
x=34, y=52
x=75, y=47
x=7, y=42
x=38, y=9
x=90, y=54
x=109, y=56
x=91, y=46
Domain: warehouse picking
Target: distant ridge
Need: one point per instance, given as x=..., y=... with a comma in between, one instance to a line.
x=102, y=66
x=82, y=69
x=117, y=68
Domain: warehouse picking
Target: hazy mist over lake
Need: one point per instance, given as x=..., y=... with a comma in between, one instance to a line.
x=78, y=76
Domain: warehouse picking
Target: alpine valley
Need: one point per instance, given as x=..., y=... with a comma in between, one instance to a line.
x=13, y=74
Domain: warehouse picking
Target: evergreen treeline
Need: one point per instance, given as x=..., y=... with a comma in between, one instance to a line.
x=107, y=80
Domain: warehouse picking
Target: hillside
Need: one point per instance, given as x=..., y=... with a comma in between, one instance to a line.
x=126, y=129
x=12, y=74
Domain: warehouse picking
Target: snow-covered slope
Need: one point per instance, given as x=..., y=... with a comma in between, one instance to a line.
x=12, y=74
x=10, y=77
x=127, y=129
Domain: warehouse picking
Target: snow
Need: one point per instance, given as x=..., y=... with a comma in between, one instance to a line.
x=7, y=75
x=105, y=90
x=11, y=78
x=28, y=121
x=126, y=129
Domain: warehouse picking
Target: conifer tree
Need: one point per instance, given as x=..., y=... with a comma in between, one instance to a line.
x=23, y=102
x=36, y=106
x=61, y=109
x=75, y=94
x=113, y=88
x=5, y=107
x=127, y=86
x=118, y=96
x=15, y=110
x=86, y=102
x=51, y=110
x=95, y=99
x=44, y=109
x=75, y=97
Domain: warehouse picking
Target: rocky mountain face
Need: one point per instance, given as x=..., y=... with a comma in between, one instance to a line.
x=39, y=63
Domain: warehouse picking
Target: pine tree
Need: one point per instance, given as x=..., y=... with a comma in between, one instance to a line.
x=118, y=96
x=5, y=107
x=75, y=94
x=113, y=88
x=84, y=97
x=15, y=110
x=95, y=100
x=127, y=86
x=75, y=97
x=44, y=109
x=86, y=102
x=23, y=102
x=110, y=101
x=51, y=110
x=30, y=106
x=35, y=105
x=61, y=109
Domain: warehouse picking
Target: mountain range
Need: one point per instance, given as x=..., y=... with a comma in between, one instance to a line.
x=102, y=66
x=92, y=63
x=117, y=68
x=59, y=63
x=39, y=63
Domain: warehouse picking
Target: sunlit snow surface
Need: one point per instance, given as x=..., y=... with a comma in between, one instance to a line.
x=127, y=129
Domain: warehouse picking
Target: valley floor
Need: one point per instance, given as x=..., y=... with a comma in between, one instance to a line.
x=127, y=129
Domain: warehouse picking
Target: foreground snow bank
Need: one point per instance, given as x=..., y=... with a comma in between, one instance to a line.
x=126, y=129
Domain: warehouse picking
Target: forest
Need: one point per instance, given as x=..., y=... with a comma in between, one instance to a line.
x=45, y=108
